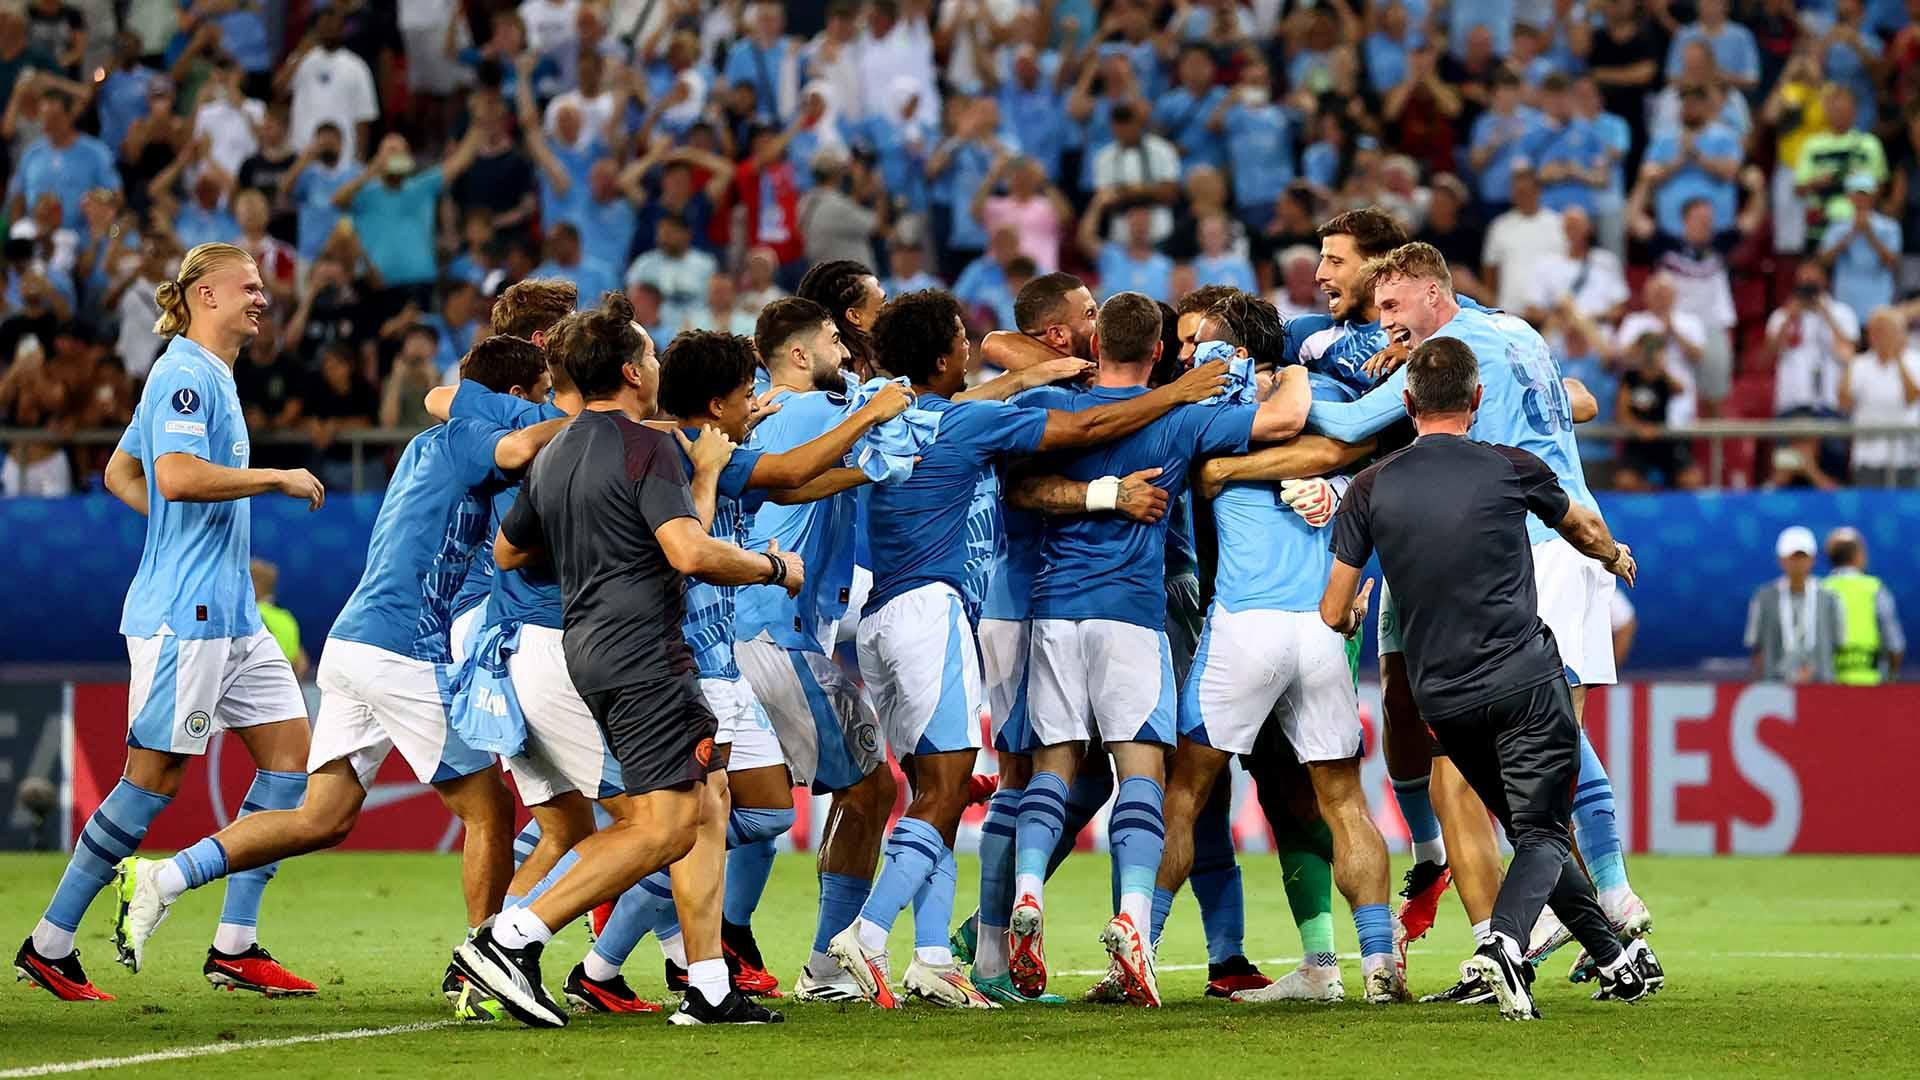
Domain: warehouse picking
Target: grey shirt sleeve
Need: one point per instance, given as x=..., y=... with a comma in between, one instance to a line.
x=1893, y=637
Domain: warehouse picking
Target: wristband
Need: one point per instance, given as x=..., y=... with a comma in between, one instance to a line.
x=1104, y=493
x=779, y=576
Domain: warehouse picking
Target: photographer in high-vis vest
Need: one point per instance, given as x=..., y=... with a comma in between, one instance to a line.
x=1874, y=644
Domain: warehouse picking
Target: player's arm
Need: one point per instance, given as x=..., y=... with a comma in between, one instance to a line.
x=1299, y=457
x=440, y=402
x=510, y=556
x=716, y=562
x=126, y=478
x=515, y=451
x=1585, y=529
x=1052, y=370
x=810, y=460
x=1134, y=495
x=825, y=486
x=520, y=541
x=1583, y=404
x=1284, y=412
x=182, y=477
x=1011, y=350
x=1352, y=421
x=710, y=456
x=1070, y=430
x=1344, y=605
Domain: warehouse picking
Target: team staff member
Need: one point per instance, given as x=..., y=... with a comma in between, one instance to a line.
x=1448, y=517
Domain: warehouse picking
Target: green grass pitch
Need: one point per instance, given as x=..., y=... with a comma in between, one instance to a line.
x=1796, y=966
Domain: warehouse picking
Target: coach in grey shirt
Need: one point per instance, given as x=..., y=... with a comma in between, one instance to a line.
x=1794, y=626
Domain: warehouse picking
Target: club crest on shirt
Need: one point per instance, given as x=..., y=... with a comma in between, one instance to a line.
x=186, y=400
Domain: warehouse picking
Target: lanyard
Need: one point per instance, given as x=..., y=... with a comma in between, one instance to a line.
x=1798, y=638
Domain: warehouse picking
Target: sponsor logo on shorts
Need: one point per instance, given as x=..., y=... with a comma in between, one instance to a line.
x=198, y=724
x=703, y=752
x=869, y=737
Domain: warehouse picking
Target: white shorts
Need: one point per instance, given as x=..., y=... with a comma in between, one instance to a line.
x=182, y=690
x=1100, y=677
x=464, y=631
x=373, y=701
x=565, y=750
x=922, y=667
x=1388, y=628
x=827, y=731
x=849, y=626
x=1249, y=661
x=743, y=725
x=1576, y=603
x=1004, y=644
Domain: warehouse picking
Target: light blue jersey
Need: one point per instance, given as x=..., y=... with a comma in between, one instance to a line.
x=512, y=595
x=708, y=626
x=1335, y=348
x=1010, y=582
x=430, y=524
x=1105, y=566
x=821, y=532
x=1270, y=558
x=1523, y=402
x=942, y=524
x=193, y=580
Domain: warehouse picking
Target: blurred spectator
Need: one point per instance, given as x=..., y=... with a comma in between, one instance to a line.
x=551, y=26
x=278, y=620
x=403, y=398
x=1133, y=265
x=760, y=289
x=1881, y=387
x=1829, y=157
x=55, y=247
x=722, y=311
x=907, y=263
x=1625, y=61
x=957, y=168
x=394, y=218
x=818, y=127
x=1506, y=132
x=1732, y=45
x=1033, y=208
x=496, y=62
x=1402, y=194
x=1671, y=335
x=330, y=85
x=843, y=213
x=317, y=175
x=495, y=175
x=122, y=97
x=1258, y=135
x=767, y=61
x=334, y=310
x=1137, y=169
x=1615, y=135
x=1426, y=110
x=671, y=189
x=1572, y=157
x=227, y=118
x=592, y=100
x=1808, y=336
x=62, y=161
x=897, y=43
x=32, y=397
x=1648, y=394
x=57, y=31
x=1873, y=644
x=677, y=271
x=274, y=257
x=1863, y=252
x=833, y=56
x=338, y=400
x=1726, y=107
x=203, y=217
x=1453, y=227
x=1794, y=626
x=269, y=380
x=1205, y=191
x=267, y=169
x=130, y=297
x=764, y=182
x=460, y=321
x=984, y=288
x=1794, y=112
x=1219, y=263
x=1851, y=54
x=1033, y=101
x=1700, y=159
x=109, y=240
x=1519, y=240
x=1589, y=278
x=1183, y=114
x=1702, y=286
x=564, y=260
x=1299, y=293
x=1387, y=45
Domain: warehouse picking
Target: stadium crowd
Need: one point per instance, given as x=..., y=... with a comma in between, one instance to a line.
x=1708, y=212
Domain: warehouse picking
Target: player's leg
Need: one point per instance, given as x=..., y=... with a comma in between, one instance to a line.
x=1191, y=780
x=762, y=809
x=1304, y=845
x=1408, y=750
x=981, y=939
x=484, y=806
x=1060, y=714
x=558, y=824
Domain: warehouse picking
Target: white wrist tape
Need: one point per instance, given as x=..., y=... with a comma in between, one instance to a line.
x=1104, y=493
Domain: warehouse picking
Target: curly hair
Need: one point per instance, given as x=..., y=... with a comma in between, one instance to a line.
x=915, y=332
x=591, y=347
x=702, y=365
x=838, y=285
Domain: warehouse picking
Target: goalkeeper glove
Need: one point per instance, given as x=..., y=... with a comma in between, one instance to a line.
x=1314, y=500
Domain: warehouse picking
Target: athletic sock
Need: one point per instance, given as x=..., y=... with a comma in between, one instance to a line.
x=240, y=915
x=524, y=842
x=598, y=968
x=748, y=868
x=1216, y=878
x=560, y=867
x=1162, y=907
x=710, y=978
x=634, y=916
x=933, y=911
x=841, y=897
x=1037, y=832
x=520, y=928
x=205, y=861
x=1483, y=931
x=674, y=947
x=1423, y=827
x=1307, y=871
x=1595, y=828
x=913, y=850
x=1084, y=798
x=998, y=834
x=112, y=833
x=1137, y=833
x=1374, y=924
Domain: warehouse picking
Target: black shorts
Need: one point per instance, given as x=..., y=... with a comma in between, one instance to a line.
x=660, y=731
x=1520, y=753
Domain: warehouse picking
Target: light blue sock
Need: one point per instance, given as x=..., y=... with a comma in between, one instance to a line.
x=270, y=791
x=1375, y=926
x=524, y=843
x=1039, y=829
x=841, y=896
x=1137, y=833
x=635, y=914
x=1162, y=907
x=913, y=850
x=1085, y=796
x=203, y=862
x=1595, y=828
x=1216, y=878
x=112, y=833
x=667, y=924
x=559, y=870
x=933, y=904
x=750, y=851
x=998, y=832
x=1423, y=827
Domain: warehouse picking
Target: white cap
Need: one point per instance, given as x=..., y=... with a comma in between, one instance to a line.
x=1794, y=540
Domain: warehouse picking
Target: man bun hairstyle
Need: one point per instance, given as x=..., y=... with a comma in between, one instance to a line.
x=171, y=296
x=593, y=347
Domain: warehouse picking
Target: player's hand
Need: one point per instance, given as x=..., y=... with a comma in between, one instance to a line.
x=1386, y=361
x=796, y=567
x=1061, y=369
x=1623, y=566
x=1357, y=611
x=1140, y=499
x=711, y=452
x=1314, y=500
x=763, y=407
x=889, y=401
x=1209, y=380
x=301, y=484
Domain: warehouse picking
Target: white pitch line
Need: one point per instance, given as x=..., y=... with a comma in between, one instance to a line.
x=1289, y=961
x=212, y=1049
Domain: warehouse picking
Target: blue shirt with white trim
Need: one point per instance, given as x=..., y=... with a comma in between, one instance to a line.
x=193, y=581
x=1334, y=347
x=708, y=626
x=821, y=532
x=530, y=597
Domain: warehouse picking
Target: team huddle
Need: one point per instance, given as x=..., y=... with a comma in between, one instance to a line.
x=663, y=590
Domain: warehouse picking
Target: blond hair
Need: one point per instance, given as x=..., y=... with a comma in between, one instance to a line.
x=1417, y=261
x=171, y=295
